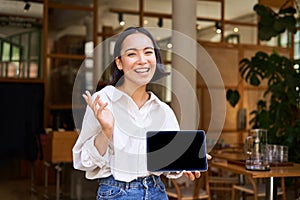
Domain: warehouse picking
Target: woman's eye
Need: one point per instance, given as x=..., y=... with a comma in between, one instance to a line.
x=131, y=54
x=149, y=52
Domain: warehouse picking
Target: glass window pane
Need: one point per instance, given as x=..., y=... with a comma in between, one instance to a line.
x=34, y=45
x=13, y=69
x=16, y=53
x=6, y=51
x=25, y=46
x=33, y=70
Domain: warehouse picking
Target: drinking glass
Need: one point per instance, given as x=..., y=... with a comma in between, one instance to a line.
x=256, y=150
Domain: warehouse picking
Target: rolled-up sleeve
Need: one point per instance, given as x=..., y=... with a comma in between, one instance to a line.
x=85, y=154
x=90, y=156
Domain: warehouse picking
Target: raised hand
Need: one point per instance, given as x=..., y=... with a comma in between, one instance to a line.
x=101, y=112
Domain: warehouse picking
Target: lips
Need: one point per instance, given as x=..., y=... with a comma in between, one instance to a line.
x=142, y=70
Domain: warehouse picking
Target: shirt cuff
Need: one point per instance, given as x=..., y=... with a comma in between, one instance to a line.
x=92, y=155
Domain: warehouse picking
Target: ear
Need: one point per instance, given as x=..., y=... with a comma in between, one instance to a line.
x=119, y=63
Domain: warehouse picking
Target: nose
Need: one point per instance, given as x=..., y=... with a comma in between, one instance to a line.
x=142, y=58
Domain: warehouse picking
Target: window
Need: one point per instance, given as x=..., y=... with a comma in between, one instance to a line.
x=10, y=59
x=20, y=55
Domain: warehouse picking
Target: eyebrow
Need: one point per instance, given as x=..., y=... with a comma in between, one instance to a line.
x=134, y=49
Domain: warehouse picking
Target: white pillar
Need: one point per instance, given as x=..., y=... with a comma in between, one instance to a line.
x=184, y=61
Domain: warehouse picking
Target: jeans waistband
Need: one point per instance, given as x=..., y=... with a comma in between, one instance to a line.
x=140, y=182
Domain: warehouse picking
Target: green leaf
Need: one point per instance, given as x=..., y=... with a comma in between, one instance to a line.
x=254, y=80
x=289, y=10
x=279, y=25
x=259, y=9
x=233, y=97
x=266, y=33
x=271, y=24
x=262, y=55
x=290, y=23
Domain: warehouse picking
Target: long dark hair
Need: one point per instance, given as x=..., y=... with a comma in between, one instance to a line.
x=116, y=74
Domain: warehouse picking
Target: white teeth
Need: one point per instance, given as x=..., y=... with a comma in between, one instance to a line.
x=142, y=70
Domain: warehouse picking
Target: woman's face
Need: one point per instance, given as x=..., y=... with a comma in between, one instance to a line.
x=138, y=60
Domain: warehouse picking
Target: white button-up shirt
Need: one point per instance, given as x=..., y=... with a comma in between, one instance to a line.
x=125, y=157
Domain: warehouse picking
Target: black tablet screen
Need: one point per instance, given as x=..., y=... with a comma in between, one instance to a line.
x=176, y=150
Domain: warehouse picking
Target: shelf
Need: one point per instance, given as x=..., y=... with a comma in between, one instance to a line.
x=66, y=56
x=66, y=107
x=20, y=80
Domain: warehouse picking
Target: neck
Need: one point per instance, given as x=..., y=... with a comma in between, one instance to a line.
x=138, y=94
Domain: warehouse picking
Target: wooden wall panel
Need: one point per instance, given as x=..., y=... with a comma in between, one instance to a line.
x=227, y=58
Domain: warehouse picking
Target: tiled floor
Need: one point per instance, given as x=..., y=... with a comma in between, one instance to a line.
x=21, y=190
x=73, y=185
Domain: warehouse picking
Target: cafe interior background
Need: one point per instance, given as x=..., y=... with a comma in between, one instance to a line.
x=44, y=44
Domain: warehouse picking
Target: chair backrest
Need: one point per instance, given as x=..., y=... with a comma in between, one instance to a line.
x=221, y=181
x=258, y=189
x=197, y=189
x=206, y=188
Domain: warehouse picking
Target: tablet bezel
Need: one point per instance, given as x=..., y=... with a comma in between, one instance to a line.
x=189, y=148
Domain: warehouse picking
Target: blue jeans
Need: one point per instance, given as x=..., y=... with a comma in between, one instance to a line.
x=145, y=188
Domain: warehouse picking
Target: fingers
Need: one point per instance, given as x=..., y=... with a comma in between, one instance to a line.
x=192, y=175
x=197, y=174
x=88, y=98
x=208, y=156
x=189, y=175
x=101, y=104
x=87, y=95
x=101, y=107
x=97, y=105
x=85, y=98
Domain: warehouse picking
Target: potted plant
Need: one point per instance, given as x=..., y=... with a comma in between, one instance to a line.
x=279, y=111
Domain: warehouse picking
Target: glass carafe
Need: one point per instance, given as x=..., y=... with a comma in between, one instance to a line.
x=256, y=150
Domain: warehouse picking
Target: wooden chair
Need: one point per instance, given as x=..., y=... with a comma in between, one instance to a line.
x=257, y=189
x=192, y=192
x=221, y=181
x=221, y=185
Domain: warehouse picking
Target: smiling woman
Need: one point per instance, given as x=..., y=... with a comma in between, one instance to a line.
x=111, y=146
x=137, y=62
x=149, y=49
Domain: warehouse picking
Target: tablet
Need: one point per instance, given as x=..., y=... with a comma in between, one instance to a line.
x=176, y=150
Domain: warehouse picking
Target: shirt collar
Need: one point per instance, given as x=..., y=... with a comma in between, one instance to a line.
x=115, y=94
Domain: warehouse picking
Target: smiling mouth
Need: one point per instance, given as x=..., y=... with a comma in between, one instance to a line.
x=142, y=70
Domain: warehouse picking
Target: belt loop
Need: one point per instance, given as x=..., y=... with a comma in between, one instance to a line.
x=144, y=180
x=154, y=180
x=127, y=185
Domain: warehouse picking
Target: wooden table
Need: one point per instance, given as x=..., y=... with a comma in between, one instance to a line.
x=275, y=172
